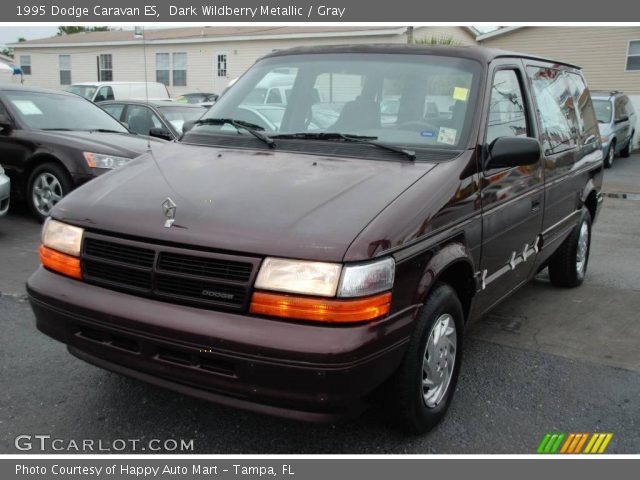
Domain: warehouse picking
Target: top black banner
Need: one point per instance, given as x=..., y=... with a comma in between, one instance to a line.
x=206, y=11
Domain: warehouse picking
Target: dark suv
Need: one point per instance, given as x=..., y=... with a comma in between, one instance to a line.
x=300, y=271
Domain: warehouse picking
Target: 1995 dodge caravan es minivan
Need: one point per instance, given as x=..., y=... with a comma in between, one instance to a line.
x=303, y=272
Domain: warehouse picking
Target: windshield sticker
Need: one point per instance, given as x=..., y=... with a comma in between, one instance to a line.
x=447, y=135
x=427, y=133
x=460, y=93
x=27, y=107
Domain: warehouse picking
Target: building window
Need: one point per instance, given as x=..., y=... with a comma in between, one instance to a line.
x=180, y=69
x=633, y=56
x=221, y=64
x=64, y=63
x=25, y=64
x=171, y=68
x=163, y=68
x=105, y=68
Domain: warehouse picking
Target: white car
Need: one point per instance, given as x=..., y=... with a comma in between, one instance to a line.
x=103, y=91
x=4, y=192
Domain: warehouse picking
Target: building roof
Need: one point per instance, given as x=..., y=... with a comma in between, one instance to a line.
x=205, y=34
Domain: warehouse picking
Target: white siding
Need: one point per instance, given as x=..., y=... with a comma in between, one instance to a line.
x=201, y=67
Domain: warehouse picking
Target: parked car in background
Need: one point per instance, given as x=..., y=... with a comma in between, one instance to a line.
x=5, y=185
x=198, y=97
x=617, y=119
x=155, y=118
x=269, y=117
x=306, y=273
x=103, y=91
x=53, y=141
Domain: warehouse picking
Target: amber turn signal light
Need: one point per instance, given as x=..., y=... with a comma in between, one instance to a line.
x=317, y=309
x=60, y=262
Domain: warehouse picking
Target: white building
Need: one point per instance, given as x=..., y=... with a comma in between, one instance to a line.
x=189, y=59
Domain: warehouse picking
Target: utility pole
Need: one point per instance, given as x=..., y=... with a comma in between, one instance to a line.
x=409, y=35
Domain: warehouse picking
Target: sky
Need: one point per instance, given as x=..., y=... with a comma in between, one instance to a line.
x=11, y=34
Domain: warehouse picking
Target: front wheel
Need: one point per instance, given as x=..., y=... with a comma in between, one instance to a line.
x=611, y=154
x=568, y=266
x=421, y=390
x=626, y=151
x=47, y=185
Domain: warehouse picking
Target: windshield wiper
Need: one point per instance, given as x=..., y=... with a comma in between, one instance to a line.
x=104, y=130
x=58, y=129
x=252, y=128
x=410, y=154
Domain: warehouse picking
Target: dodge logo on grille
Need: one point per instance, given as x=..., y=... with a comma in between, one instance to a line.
x=214, y=294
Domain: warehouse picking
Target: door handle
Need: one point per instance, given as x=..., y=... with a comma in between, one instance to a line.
x=535, y=205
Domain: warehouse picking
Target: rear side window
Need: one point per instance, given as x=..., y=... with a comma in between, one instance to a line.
x=587, y=120
x=507, y=116
x=622, y=105
x=556, y=108
x=114, y=110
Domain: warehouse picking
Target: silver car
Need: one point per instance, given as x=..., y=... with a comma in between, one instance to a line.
x=617, y=120
x=4, y=192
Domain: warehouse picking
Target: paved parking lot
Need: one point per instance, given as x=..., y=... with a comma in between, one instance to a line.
x=545, y=360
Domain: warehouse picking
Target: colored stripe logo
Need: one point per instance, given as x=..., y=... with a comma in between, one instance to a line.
x=574, y=443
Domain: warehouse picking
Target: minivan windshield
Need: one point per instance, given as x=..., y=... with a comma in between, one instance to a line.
x=401, y=99
x=50, y=111
x=604, y=110
x=86, y=91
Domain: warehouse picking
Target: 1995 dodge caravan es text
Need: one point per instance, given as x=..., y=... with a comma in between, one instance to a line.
x=303, y=255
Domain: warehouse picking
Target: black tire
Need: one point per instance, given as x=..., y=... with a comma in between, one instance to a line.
x=626, y=151
x=611, y=153
x=61, y=184
x=405, y=394
x=564, y=270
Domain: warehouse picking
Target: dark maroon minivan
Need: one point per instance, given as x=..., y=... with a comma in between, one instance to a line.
x=302, y=249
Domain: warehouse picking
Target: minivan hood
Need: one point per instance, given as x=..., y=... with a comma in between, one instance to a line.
x=121, y=144
x=254, y=202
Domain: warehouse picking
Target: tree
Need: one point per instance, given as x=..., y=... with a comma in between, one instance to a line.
x=69, y=30
x=438, y=40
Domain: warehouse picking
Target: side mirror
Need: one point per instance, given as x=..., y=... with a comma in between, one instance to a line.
x=623, y=118
x=188, y=125
x=162, y=133
x=508, y=152
x=5, y=122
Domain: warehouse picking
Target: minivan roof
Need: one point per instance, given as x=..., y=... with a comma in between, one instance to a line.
x=481, y=54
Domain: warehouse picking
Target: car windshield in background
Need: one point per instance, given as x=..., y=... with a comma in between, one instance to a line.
x=50, y=111
x=177, y=115
x=603, y=109
x=86, y=91
x=413, y=100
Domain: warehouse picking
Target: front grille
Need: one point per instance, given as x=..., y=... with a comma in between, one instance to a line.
x=176, y=275
x=141, y=257
x=205, y=267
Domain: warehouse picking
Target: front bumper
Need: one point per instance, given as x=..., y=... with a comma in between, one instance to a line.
x=302, y=371
x=5, y=187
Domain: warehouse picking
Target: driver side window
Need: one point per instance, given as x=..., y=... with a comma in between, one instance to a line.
x=507, y=116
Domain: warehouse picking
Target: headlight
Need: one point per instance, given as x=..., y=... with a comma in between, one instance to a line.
x=361, y=280
x=100, y=160
x=604, y=138
x=60, y=249
x=279, y=278
x=62, y=237
x=297, y=276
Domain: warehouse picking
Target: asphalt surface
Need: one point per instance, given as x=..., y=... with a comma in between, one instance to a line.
x=546, y=360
